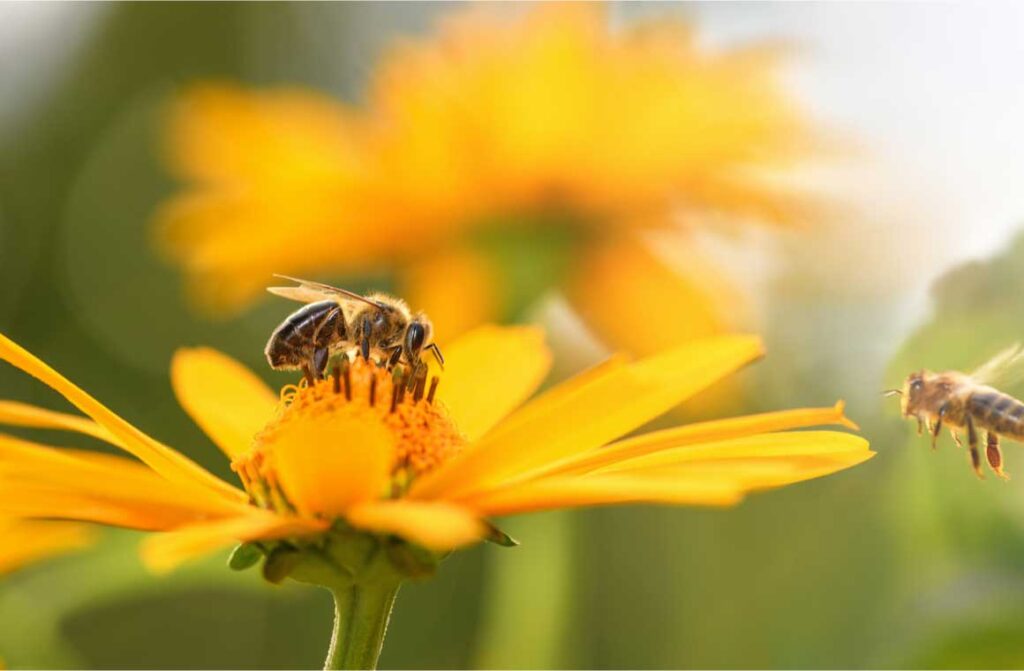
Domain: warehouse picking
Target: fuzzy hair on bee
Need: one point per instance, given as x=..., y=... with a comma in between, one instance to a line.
x=969, y=404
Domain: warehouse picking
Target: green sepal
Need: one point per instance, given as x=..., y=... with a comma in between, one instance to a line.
x=244, y=556
x=410, y=560
x=281, y=561
x=499, y=537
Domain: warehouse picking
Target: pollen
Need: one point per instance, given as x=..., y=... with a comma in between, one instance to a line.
x=379, y=405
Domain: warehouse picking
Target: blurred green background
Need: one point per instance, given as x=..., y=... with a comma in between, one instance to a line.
x=908, y=561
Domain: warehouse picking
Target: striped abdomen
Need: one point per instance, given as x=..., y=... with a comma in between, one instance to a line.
x=292, y=343
x=998, y=412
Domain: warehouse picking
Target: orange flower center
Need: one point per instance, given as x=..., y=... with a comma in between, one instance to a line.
x=361, y=407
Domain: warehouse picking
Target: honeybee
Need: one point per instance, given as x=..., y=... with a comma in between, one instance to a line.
x=967, y=402
x=337, y=320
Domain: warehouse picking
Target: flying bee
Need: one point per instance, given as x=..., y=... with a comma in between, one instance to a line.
x=967, y=402
x=337, y=320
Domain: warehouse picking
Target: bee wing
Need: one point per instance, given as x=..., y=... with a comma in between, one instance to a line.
x=299, y=294
x=1005, y=369
x=311, y=292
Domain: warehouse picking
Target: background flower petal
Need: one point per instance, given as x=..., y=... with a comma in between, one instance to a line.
x=635, y=302
x=457, y=288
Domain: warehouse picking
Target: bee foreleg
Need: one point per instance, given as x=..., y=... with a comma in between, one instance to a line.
x=394, y=356
x=437, y=354
x=956, y=438
x=972, y=441
x=995, y=455
x=920, y=426
x=418, y=377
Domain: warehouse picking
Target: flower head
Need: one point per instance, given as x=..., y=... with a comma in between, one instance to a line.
x=540, y=125
x=429, y=463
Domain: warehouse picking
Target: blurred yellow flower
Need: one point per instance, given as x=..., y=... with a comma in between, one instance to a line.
x=428, y=464
x=26, y=541
x=507, y=122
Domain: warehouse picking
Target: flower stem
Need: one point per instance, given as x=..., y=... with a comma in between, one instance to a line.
x=361, y=614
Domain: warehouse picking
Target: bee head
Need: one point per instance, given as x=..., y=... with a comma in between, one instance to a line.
x=913, y=393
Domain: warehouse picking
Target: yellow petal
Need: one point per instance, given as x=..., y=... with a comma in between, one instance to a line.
x=222, y=396
x=702, y=432
x=22, y=414
x=490, y=372
x=706, y=481
x=171, y=464
x=637, y=303
x=23, y=542
x=164, y=552
x=783, y=444
x=326, y=466
x=458, y=288
x=754, y=473
x=434, y=525
x=608, y=406
x=51, y=502
x=573, y=492
x=40, y=481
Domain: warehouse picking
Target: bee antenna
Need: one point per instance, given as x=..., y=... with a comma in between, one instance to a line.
x=892, y=392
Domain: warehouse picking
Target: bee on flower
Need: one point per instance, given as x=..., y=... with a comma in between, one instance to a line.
x=356, y=484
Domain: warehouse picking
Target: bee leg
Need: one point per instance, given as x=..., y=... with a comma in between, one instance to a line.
x=995, y=455
x=956, y=438
x=395, y=356
x=418, y=379
x=307, y=373
x=364, y=344
x=920, y=426
x=937, y=427
x=319, y=363
x=972, y=441
x=436, y=351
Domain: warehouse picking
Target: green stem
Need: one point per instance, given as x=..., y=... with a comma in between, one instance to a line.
x=361, y=614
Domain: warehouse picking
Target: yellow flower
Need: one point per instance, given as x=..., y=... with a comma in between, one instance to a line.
x=429, y=464
x=26, y=541
x=518, y=122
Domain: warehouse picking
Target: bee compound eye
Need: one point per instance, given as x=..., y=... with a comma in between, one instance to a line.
x=916, y=385
x=415, y=336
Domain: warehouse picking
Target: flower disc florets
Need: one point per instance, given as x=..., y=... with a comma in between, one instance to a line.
x=384, y=411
